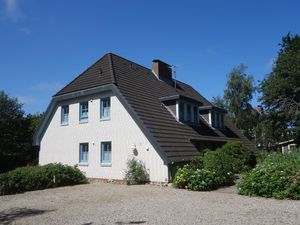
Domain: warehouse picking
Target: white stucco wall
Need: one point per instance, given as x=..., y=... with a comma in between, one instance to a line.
x=61, y=143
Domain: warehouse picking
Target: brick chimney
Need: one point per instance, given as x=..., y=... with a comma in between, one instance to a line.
x=162, y=70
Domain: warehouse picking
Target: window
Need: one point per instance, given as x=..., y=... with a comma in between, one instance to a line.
x=64, y=115
x=213, y=118
x=84, y=153
x=106, y=152
x=222, y=121
x=195, y=114
x=181, y=111
x=189, y=113
x=84, y=111
x=218, y=120
x=105, y=108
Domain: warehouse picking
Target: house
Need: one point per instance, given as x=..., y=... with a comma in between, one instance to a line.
x=287, y=146
x=117, y=109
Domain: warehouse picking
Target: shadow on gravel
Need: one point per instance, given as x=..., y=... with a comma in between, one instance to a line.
x=8, y=216
x=130, y=222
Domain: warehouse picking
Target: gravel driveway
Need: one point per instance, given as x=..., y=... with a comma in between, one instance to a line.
x=146, y=204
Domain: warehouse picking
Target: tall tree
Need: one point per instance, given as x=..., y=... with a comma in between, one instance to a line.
x=16, y=131
x=281, y=89
x=219, y=101
x=238, y=95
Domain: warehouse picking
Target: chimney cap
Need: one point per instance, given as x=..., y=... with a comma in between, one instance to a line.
x=159, y=61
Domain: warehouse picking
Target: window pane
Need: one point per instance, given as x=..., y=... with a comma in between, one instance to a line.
x=189, y=113
x=222, y=121
x=181, y=111
x=105, y=108
x=84, y=110
x=196, y=114
x=106, y=152
x=65, y=114
x=84, y=153
x=218, y=120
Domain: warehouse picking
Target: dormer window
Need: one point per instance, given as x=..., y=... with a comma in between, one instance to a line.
x=196, y=112
x=213, y=115
x=188, y=112
x=184, y=110
x=217, y=119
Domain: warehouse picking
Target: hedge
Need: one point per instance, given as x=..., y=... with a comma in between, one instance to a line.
x=39, y=177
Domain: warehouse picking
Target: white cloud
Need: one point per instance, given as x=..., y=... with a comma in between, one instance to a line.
x=51, y=87
x=25, y=30
x=27, y=99
x=12, y=10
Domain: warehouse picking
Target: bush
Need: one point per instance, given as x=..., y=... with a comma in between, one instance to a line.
x=182, y=176
x=220, y=163
x=205, y=180
x=214, y=169
x=136, y=172
x=242, y=158
x=197, y=162
x=39, y=177
x=278, y=176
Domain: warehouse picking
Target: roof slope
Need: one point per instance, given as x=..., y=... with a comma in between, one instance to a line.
x=142, y=91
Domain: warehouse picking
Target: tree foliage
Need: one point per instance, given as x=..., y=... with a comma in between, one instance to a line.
x=281, y=90
x=16, y=132
x=238, y=95
x=219, y=101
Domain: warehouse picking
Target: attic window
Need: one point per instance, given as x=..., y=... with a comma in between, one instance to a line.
x=217, y=119
x=213, y=115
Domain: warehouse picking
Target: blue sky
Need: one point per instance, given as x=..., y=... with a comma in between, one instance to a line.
x=45, y=44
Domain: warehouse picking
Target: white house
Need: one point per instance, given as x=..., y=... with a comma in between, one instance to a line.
x=117, y=109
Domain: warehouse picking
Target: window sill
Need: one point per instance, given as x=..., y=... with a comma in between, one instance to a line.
x=105, y=164
x=83, y=164
x=64, y=124
x=83, y=121
x=104, y=119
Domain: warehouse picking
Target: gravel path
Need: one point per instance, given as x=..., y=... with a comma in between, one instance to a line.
x=146, y=204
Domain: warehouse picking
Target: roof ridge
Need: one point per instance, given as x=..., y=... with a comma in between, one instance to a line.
x=112, y=69
x=81, y=74
x=130, y=61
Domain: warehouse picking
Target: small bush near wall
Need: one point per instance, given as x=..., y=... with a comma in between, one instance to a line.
x=39, y=177
x=136, y=172
x=278, y=176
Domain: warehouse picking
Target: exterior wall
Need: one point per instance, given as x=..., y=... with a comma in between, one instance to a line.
x=61, y=143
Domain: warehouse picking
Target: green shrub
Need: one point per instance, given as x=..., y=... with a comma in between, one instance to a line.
x=242, y=158
x=136, y=172
x=220, y=163
x=197, y=162
x=39, y=177
x=278, y=176
x=205, y=180
x=213, y=169
x=182, y=176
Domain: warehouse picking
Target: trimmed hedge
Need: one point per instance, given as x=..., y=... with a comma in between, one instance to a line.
x=40, y=177
x=278, y=176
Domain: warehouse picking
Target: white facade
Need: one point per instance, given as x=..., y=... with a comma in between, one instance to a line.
x=60, y=143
